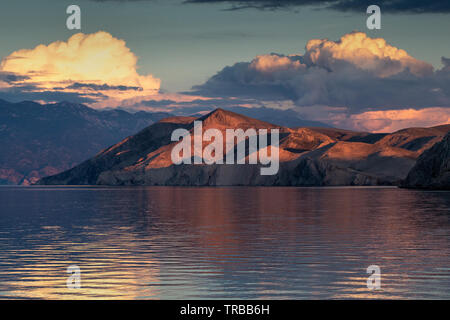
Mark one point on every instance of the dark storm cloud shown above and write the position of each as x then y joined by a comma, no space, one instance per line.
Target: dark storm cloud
394,6
20,92
10,77
343,85
17,95
446,63
232,82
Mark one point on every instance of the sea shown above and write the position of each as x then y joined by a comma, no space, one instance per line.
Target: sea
95,242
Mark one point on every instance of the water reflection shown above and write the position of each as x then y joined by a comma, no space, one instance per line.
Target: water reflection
158,242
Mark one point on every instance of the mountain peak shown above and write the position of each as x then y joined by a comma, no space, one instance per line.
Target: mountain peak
220,113
223,118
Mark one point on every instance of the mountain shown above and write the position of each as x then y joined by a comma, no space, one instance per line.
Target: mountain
415,139
39,140
283,117
308,157
432,170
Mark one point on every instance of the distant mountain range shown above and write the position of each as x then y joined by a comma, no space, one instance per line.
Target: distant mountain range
39,140
286,118
308,157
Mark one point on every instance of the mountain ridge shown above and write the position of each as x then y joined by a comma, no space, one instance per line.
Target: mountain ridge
39,140
308,157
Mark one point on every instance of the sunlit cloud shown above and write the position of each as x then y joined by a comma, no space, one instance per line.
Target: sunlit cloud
393,120
97,66
374,55
377,120
355,71
355,82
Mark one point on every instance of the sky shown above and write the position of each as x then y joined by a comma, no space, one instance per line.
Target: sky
164,55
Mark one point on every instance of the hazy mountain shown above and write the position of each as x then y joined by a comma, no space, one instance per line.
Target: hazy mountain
308,156
38,140
432,170
286,118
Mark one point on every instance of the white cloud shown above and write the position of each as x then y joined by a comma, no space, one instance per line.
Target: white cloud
374,55
85,64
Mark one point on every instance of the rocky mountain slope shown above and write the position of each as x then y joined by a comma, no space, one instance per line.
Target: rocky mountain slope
38,140
432,170
308,157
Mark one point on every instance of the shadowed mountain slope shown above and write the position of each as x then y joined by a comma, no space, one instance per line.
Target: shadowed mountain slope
432,170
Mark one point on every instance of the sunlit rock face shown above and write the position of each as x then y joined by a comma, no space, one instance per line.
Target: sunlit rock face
308,157
432,170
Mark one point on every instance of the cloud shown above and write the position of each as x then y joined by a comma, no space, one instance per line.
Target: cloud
85,65
356,82
373,55
356,72
10,78
446,63
393,120
388,120
392,6
187,105
29,94
388,6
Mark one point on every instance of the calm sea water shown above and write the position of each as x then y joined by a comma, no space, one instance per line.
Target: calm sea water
249,243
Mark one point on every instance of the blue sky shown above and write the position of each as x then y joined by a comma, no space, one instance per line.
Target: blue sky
248,57
185,44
